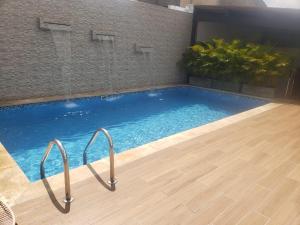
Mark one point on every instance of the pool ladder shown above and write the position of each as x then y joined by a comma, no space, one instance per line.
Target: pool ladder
63,153
112,181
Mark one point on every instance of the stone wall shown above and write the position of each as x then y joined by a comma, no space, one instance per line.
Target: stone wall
29,64
164,3
251,3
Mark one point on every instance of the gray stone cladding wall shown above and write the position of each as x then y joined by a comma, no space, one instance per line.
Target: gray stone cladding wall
241,3
164,3
29,66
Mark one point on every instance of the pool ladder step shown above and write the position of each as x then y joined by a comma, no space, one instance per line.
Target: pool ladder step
112,181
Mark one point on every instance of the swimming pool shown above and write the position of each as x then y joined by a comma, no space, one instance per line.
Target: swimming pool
133,119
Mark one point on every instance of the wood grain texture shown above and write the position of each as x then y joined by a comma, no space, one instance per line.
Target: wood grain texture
246,173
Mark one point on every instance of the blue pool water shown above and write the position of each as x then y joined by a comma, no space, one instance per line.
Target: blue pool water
132,119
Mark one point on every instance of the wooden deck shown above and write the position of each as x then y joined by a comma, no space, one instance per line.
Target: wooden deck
247,173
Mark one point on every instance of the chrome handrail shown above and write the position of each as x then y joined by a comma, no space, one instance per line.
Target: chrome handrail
63,153
112,180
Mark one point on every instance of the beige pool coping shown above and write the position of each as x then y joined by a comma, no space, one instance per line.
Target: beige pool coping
14,183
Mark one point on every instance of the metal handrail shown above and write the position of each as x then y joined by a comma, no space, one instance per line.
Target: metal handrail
112,180
63,153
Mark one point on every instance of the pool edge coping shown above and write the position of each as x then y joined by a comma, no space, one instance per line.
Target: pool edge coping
13,182
80,173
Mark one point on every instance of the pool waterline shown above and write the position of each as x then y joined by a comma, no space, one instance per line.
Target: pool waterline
219,115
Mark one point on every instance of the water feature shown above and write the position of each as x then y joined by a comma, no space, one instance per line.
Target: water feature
62,41
147,57
107,50
61,35
147,53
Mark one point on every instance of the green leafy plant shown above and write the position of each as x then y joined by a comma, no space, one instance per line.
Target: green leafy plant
236,61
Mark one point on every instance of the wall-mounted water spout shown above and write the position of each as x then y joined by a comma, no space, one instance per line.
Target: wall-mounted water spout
49,25
147,53
106,50
143,49
61,36
98,36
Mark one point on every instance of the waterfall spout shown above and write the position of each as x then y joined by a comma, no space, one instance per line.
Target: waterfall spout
61,35
107,47
147,53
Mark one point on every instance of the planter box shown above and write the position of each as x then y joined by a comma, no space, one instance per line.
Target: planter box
264,92
226,86
200,82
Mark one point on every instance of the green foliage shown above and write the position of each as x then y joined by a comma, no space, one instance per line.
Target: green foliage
236,61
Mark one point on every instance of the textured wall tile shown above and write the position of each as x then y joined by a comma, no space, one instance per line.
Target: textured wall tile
29,62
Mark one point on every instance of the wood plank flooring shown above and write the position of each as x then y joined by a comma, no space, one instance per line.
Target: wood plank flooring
247,173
